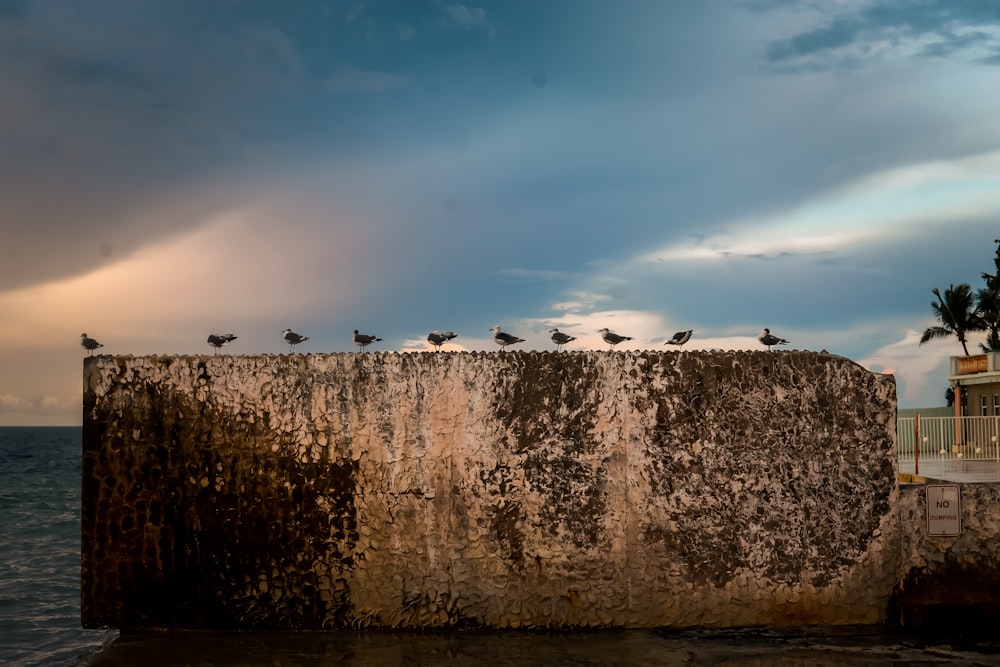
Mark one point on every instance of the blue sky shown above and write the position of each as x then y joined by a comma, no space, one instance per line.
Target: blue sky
173,169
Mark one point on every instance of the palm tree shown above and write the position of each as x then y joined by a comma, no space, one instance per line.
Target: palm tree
957,314
988,308
988,305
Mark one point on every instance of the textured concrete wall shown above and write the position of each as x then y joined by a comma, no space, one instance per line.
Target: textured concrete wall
503,489
948,582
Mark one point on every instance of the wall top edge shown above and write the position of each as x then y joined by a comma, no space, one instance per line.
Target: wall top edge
484,353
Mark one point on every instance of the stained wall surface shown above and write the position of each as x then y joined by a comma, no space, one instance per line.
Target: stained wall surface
488,489
951,580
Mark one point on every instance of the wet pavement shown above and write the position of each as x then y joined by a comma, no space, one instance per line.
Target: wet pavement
962,471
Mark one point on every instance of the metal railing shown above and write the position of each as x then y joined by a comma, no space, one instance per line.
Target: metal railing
948,438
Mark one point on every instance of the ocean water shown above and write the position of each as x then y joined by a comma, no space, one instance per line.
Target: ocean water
40,549
40,614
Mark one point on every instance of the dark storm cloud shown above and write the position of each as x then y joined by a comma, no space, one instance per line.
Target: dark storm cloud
13,8
123,124
116,121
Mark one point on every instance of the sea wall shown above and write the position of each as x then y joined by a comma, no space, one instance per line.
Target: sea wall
506,489
950,582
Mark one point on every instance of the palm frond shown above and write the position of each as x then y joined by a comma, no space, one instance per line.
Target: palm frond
932,333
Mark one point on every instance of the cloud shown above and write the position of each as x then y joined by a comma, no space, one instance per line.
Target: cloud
12,403
580,301
466,18
43,393
921,371
354,12
19,411
647,329
421,345
535,274
112,129
877,206
238,269
929,28
351,79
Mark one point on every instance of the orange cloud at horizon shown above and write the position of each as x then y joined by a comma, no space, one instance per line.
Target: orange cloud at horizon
237,269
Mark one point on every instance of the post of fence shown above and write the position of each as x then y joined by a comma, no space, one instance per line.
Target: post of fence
958,414
916,444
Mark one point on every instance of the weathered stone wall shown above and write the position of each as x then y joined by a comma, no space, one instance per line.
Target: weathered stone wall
503,489
951,582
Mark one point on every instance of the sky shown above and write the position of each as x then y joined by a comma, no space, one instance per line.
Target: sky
175,168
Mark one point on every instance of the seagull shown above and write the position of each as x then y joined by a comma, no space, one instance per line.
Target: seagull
767,339
293,338
363,340
89,343
504,339
680,337
560,338
218,340
612,338
437,339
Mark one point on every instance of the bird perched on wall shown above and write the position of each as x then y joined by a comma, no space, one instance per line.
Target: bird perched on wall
768,339
293,338
680,337
560,338
218,340
437,339
89,344
612,338
364,340
504,339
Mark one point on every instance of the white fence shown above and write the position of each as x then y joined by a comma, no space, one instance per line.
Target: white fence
948,438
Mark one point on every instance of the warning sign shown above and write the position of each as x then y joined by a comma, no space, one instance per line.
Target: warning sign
944,510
